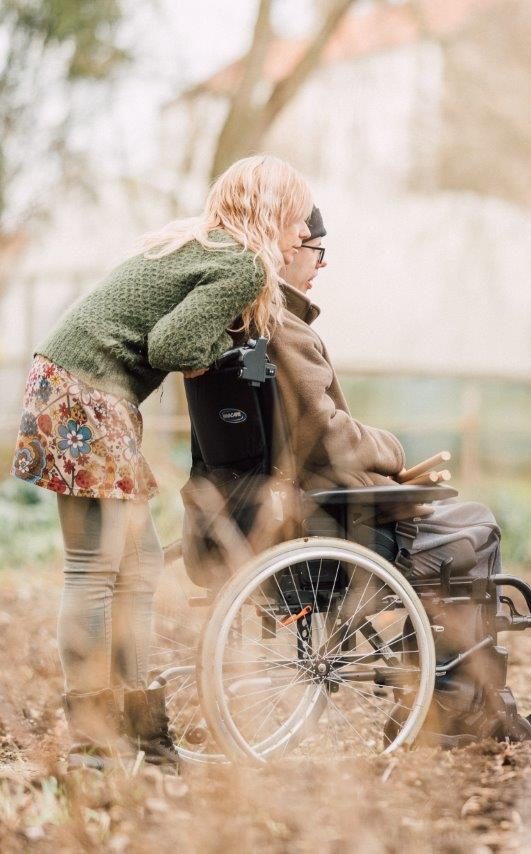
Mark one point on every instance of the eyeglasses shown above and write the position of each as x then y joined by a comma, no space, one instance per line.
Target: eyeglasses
320,249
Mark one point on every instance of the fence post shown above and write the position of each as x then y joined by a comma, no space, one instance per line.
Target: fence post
470,426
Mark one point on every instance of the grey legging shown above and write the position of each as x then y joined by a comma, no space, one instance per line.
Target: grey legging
112,563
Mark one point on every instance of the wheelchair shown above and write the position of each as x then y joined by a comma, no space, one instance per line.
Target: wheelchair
321,645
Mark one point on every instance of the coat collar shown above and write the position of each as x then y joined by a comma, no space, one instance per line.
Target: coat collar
299,304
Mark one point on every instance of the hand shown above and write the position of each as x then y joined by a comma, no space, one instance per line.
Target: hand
191,375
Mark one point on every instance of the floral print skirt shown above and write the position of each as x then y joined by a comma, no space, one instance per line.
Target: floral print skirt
77,440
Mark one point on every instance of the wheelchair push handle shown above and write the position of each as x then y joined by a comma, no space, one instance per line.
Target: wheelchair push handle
514,621
250,360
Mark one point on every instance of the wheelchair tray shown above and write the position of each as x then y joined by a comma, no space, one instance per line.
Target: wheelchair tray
374,496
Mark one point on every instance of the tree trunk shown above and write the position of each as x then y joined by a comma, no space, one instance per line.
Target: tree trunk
249,119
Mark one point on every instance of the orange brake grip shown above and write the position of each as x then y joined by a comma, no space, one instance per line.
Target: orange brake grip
294,617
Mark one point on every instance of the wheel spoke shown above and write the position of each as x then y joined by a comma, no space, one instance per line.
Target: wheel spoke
275,692
271,688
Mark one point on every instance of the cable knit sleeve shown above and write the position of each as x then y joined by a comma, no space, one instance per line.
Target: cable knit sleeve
193,334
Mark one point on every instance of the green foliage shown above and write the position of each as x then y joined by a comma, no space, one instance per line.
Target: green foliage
510,501
29,528
51,45
88,24
29,532
431,413
29,524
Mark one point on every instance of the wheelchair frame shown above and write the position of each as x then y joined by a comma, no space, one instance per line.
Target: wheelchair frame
445,591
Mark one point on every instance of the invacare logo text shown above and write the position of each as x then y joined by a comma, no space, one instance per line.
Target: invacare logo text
232,416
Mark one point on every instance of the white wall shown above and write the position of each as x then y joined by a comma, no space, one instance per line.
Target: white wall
438,283
414,281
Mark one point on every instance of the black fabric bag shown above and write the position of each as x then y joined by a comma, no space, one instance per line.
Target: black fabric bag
232,423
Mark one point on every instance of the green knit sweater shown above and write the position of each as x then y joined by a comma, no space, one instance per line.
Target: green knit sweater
151,317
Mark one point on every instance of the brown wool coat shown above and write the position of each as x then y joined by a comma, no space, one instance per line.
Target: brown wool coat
328,446
318,446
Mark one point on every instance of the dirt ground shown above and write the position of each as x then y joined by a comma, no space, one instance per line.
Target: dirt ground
477,799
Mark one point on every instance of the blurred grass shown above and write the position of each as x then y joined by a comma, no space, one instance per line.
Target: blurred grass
431,413
29,527
490,464
427,414
29,531
510,500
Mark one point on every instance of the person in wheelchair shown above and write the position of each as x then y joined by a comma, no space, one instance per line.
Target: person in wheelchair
321,446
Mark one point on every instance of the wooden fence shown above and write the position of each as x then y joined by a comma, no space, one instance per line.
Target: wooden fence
169,417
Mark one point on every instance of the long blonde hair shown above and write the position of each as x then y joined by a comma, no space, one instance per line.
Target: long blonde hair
252,201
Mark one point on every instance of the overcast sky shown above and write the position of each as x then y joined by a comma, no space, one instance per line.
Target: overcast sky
208,34
176,43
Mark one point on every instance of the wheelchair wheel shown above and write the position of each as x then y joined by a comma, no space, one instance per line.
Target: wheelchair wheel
315,648
188,727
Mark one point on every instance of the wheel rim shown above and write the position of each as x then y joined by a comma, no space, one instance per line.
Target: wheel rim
260,726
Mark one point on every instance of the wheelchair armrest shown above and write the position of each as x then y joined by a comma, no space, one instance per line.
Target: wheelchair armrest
379,496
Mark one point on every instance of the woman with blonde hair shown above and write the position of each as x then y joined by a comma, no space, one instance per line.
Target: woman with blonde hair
165,309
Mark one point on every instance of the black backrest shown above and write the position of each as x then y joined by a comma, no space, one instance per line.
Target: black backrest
231,411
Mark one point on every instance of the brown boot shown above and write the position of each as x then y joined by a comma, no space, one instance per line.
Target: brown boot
146,725
96,728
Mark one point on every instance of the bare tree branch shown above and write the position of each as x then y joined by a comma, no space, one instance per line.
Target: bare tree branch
247,120
255,58
242,100
287,88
